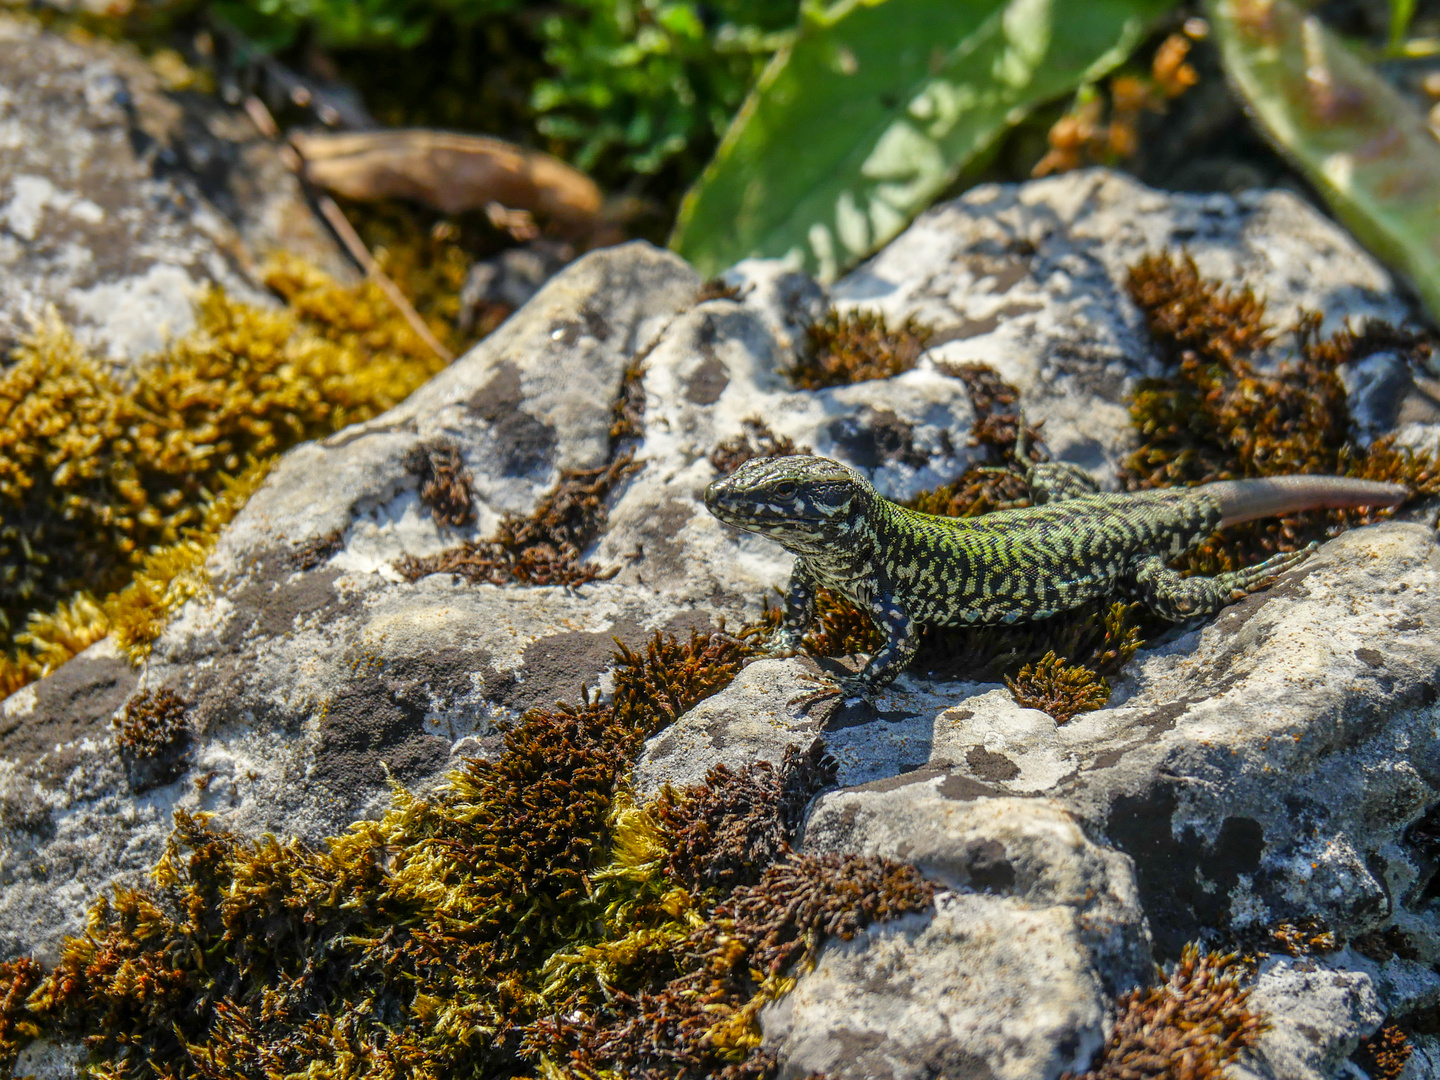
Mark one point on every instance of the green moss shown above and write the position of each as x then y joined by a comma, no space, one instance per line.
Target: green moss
1060,689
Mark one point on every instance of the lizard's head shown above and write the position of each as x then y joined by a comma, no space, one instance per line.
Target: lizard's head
803,502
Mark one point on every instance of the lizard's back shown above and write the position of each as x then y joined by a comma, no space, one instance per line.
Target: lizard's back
1030,563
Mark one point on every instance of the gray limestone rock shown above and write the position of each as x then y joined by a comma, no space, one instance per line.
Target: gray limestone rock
1281,759
119,200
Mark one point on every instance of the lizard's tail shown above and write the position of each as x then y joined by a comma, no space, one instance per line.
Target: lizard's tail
1273,496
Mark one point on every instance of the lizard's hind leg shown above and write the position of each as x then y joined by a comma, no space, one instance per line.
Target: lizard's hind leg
1051,481
1178,598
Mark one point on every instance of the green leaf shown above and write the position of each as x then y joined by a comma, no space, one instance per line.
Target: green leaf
873,110
1401,13
1366,149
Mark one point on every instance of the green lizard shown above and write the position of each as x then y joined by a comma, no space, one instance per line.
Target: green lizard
908,569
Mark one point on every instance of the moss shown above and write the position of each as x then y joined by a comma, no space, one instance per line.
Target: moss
115,491
154,721
317,550
997,484
523,919
18,978
1194,1025
444,482
716,288
729,828
1220,416
755,440
544,548
1303,937
1060,689
855,347
627,414
1384,1055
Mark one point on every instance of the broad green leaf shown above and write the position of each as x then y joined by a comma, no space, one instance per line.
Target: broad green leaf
1365,148
873,110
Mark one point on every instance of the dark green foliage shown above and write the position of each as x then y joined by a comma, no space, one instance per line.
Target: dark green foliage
1060,689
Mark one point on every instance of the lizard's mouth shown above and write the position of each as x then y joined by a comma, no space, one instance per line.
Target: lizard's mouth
744,511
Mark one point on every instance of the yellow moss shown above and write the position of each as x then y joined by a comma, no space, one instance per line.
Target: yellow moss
109,489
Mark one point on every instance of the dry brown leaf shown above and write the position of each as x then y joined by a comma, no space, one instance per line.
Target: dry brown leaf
450,172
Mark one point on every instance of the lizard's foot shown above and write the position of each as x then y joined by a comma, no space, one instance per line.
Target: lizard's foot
783,642
849,688
1250,578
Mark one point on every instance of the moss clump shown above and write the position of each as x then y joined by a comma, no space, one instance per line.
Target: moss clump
627,414
732,826
1194,1025
715,288
756,440
1384,1055
102,480
154,721
544,548
1303,937
444,482
1060,689
998,484
1218,416
18,978
522,919
856,347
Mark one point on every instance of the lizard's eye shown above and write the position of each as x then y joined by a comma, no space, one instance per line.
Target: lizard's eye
786,489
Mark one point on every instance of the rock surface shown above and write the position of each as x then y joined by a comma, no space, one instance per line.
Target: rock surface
120,200
1269,764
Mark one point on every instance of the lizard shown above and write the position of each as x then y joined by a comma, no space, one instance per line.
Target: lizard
907,569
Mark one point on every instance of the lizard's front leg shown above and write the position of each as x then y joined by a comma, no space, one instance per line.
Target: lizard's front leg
799,609
902,639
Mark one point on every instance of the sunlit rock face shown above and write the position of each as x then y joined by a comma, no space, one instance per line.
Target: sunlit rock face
1277,761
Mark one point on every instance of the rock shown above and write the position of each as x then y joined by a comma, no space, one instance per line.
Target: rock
1319,1017
1277,761
120,200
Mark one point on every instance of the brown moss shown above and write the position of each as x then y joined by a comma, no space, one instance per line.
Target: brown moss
1303,937
997,485
672,676
17,979
715,288
704,1021
756,440
544,548
1384,1055
528,901
627,414
317,550
856,347
1193,1026
444,482
154,721
1060,689
731,827
1220,416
